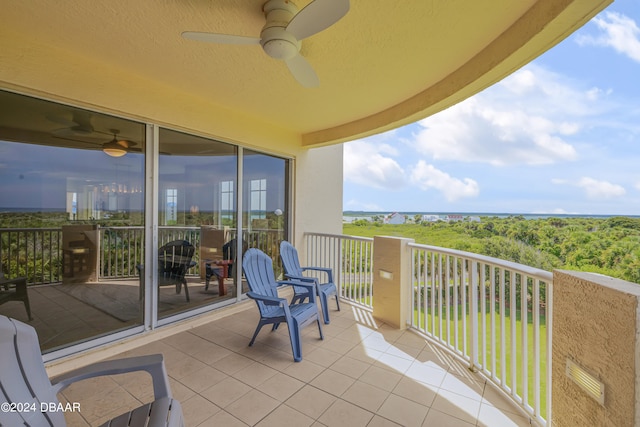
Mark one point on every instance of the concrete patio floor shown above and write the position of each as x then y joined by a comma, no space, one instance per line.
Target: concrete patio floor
363,373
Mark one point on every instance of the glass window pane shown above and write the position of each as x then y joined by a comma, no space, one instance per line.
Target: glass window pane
197,215
265,216
71,218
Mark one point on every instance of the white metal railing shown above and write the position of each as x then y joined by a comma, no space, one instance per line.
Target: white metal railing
495,314
351,259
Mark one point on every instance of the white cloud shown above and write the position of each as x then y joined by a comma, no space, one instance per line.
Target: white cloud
525,119
617,31
427,177
369,164
600,189
593,188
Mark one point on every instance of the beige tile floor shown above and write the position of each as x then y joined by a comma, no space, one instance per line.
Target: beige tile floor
363,373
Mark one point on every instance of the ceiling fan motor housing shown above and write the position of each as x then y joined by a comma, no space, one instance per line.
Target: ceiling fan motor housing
276,41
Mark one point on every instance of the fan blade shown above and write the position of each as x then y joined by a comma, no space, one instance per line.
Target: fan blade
83,119
302,71
81,136
317,16
61,120
219,38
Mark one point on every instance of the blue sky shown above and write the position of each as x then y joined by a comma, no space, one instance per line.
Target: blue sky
561,135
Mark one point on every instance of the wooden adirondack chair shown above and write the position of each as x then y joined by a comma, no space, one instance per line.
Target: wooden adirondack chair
174,259
258,270
293,271
29,398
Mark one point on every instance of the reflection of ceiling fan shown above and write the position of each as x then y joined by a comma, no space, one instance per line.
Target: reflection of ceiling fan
118,147
115,147
285,28
78,126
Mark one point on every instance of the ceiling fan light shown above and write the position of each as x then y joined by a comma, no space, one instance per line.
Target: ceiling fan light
114,149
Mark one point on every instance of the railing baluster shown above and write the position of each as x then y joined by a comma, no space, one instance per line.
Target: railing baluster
524,321
513,315
492,314
536,346
474,314
456,301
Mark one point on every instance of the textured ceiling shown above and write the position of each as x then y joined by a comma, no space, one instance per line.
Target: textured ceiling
384,63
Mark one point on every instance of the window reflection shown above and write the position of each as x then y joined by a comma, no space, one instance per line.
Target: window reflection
265,215
71,219
197,181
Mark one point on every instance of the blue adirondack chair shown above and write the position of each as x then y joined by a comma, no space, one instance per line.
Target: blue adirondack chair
293,271
29,398
258,270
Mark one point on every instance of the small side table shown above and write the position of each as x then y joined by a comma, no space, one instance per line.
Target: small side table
221,273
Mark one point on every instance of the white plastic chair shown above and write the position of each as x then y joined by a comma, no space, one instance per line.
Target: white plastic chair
29,398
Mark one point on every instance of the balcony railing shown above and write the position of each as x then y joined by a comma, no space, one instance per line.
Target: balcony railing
36,253
32,253
494,314
351,259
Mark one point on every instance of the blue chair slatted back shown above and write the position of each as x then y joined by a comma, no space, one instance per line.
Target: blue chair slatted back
258,270
290,260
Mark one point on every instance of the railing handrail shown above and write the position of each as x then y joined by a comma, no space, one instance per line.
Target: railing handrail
339,236
533,272
2,230
124,227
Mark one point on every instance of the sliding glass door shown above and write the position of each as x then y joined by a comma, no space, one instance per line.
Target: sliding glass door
73,258
197,216
71,219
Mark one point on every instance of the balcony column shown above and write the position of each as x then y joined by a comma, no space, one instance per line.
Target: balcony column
392,280
596,327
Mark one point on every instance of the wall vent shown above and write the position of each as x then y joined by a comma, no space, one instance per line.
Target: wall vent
586,381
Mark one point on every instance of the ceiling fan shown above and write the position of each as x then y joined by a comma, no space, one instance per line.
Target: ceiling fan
118,147
285,28
115,147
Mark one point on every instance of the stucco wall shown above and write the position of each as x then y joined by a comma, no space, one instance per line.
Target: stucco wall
318,192
595,322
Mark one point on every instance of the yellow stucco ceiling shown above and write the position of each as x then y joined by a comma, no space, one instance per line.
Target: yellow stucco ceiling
386,63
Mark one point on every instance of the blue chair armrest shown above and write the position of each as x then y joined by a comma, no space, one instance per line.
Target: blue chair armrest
327,270
311,287
267,299
302,278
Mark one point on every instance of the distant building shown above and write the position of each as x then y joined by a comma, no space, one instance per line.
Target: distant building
454,217
395,218
430,218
